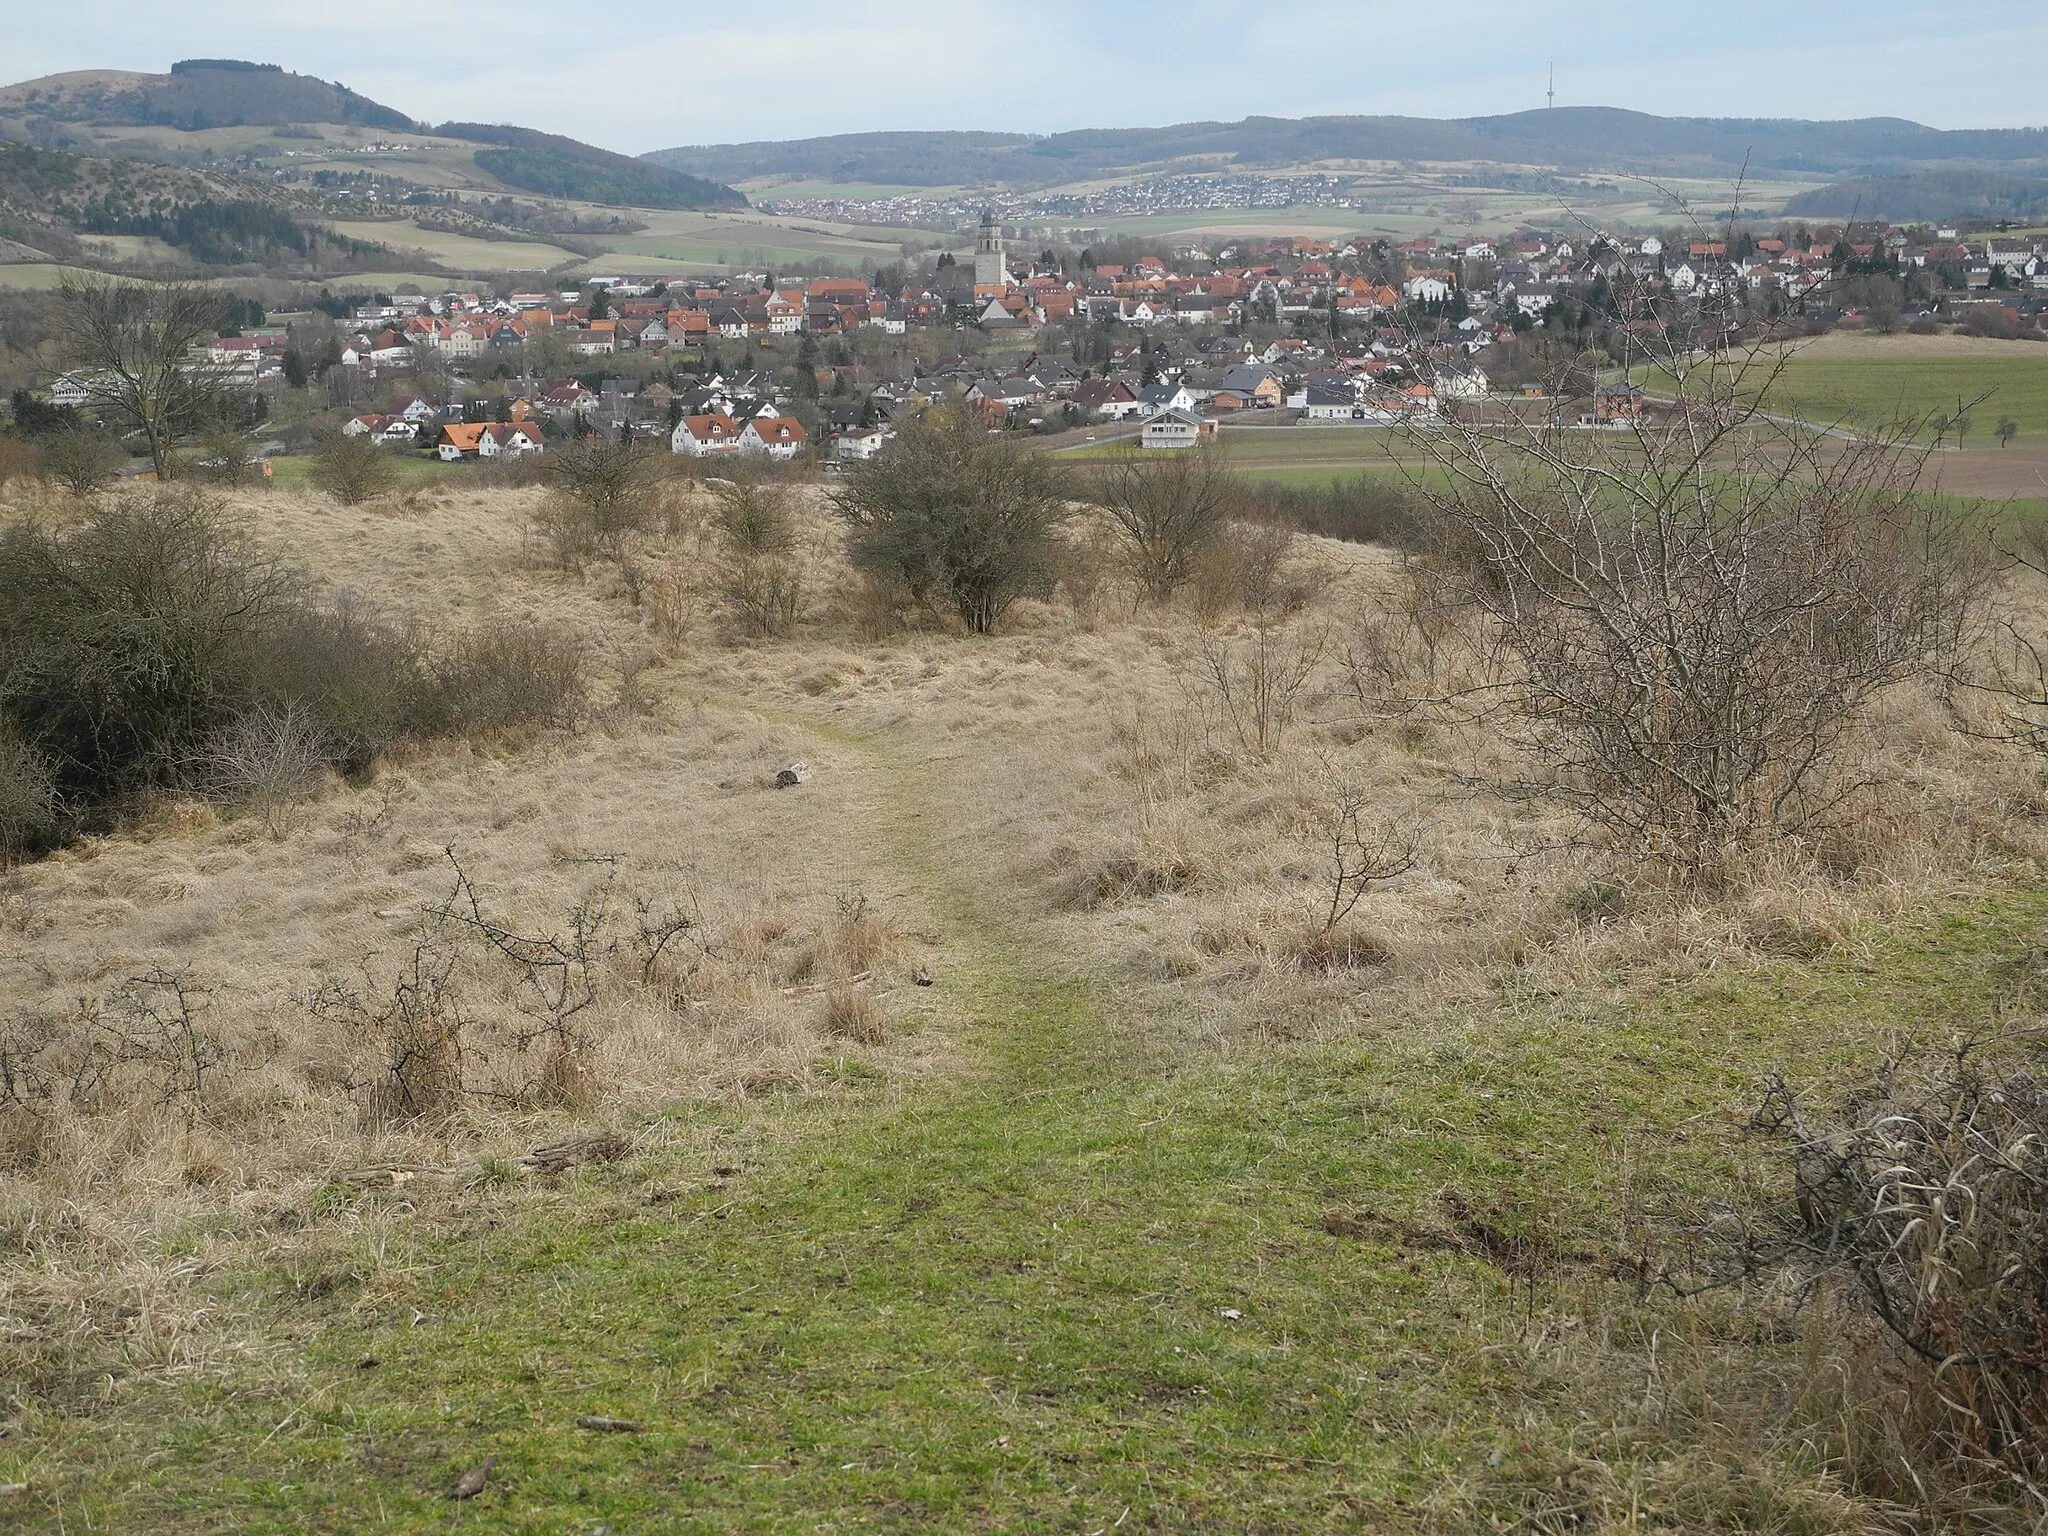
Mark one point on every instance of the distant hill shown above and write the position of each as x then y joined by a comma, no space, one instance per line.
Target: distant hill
557,167
52,204
197,94
1575,138
1927,197
146,117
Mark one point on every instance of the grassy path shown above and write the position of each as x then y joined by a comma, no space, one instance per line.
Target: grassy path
1078,1289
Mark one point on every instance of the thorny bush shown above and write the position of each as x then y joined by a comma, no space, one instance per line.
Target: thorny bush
1920,1205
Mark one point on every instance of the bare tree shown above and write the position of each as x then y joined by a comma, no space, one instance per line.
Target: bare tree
1169,509
135,346
1686,605
82,461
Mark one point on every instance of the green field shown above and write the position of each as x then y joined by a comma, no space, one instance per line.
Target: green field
461,253
1866,382
33,274
1870,391
708,241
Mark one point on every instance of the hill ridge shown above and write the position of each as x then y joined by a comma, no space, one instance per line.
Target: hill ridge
1614,138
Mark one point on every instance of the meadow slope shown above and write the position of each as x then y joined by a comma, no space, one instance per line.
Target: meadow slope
1005,1157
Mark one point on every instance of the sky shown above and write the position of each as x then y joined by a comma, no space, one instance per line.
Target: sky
636,76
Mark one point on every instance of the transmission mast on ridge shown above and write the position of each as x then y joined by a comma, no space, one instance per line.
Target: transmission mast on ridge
1553,83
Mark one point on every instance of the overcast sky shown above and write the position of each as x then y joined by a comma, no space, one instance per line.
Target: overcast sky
636,76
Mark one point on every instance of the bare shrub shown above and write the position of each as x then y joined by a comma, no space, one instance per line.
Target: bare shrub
512,471
1687,618
127,641
1407,647
1169,510
1089,575
82,461
1253,685
156,645
1245,569
412,1034
671,605
29,812
264,762
365,682
511,674
1921,1207
761,573
604,494
352,469
21,462
961,520
148,1042
159,1022
223,455
556,975
1359,850
480,1012
1367,508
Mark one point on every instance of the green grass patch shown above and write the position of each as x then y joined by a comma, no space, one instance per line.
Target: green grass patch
1869,392
1086,1286
1873,391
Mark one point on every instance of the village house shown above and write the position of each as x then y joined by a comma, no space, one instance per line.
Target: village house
773,436
485,440
714,435
1176,429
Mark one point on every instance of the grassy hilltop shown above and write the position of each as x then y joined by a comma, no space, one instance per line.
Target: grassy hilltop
983,1132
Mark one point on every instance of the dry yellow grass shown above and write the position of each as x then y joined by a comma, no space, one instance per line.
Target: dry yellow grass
1088,771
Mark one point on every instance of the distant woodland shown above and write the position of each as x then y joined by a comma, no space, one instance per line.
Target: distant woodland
1568,137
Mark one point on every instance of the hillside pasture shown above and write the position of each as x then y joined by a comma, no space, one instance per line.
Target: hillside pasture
459,253
1001,1146
726,241
1867,381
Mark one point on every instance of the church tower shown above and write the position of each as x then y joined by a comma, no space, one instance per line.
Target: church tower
990,271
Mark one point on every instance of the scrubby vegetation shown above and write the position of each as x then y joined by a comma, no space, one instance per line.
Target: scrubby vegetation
557,167
970,999
49,198
156,647
957,519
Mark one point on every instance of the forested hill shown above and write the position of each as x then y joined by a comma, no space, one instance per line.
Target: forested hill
53,203
1604,138
197,94
161,118
1927,196
557,167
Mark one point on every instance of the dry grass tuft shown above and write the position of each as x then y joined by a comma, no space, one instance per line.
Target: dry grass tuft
1344,948
851,1012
